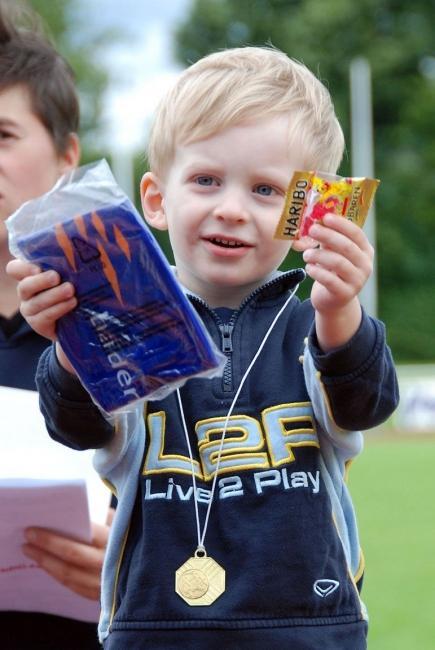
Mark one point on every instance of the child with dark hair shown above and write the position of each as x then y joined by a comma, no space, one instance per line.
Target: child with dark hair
39,118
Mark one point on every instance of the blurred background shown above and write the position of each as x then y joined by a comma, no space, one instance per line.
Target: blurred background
377,57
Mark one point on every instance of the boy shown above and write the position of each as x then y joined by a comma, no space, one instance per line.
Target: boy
39,117
265,447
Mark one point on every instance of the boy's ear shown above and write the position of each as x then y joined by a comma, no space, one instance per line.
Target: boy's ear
152,201
70,158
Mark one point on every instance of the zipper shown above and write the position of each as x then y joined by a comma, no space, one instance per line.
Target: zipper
226,330
226,341
226,337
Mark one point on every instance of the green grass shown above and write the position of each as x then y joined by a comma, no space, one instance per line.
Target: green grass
393,488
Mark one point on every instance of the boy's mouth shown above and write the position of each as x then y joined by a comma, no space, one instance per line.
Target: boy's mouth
226,243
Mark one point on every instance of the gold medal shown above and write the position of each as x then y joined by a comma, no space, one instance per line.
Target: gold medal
200,580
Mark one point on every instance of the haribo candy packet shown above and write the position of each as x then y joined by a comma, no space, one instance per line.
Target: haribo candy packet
311,195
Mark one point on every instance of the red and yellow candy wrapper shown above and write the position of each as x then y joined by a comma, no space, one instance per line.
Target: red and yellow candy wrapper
311,195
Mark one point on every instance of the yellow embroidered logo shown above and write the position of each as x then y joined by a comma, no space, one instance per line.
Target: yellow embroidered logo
249,444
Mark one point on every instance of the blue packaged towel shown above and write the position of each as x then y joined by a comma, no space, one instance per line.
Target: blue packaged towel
133,334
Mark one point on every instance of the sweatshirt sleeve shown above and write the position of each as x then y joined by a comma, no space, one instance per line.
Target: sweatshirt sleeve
71,417
358,380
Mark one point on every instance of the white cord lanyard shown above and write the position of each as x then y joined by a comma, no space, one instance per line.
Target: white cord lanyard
200,555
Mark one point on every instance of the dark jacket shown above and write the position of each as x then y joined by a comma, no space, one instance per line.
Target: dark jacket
20,349
282,522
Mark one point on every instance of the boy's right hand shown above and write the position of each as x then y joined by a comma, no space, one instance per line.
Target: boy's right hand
43,297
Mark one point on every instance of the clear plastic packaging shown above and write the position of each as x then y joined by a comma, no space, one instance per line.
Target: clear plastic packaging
134,334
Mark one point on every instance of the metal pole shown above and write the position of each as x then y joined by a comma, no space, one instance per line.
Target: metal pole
362,157
122,167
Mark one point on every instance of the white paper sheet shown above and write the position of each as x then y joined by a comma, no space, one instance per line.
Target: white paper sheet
52,486
59,505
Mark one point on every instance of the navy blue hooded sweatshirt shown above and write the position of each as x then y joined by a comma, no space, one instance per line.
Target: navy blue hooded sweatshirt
281,523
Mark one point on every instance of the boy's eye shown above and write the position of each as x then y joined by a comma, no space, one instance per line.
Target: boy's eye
264,190
207,181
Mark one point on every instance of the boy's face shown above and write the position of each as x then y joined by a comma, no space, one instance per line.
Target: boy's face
29,162
221,201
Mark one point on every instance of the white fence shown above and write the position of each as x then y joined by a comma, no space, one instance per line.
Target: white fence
416,411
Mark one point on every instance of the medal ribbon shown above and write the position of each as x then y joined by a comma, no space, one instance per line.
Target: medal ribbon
201,536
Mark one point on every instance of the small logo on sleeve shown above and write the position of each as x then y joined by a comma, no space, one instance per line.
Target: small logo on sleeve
325,587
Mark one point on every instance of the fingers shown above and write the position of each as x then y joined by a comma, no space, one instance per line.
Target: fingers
19,269
35,283
328,267
43,298
340,291
344,251
336,230
74,564
100,532
73,552
340,266
78,580
43,293
300,245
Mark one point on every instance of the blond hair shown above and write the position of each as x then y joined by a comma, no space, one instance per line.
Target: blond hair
240,85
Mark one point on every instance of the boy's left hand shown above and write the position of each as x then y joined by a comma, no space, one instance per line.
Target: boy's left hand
340,266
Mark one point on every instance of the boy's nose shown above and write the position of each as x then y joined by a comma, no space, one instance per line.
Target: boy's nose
231,208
